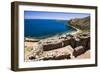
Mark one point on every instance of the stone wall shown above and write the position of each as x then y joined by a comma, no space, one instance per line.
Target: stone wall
52,50
52,46
74,41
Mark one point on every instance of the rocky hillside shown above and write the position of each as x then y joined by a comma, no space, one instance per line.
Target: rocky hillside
81,23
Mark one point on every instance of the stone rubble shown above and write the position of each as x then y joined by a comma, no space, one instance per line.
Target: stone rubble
50,49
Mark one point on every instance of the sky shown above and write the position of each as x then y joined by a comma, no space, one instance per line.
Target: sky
53,15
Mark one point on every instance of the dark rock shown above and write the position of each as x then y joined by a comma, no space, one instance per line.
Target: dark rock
78,51
58,57
84,41
73,43
31,58
62,57
88,44
52,46
77,42
66,42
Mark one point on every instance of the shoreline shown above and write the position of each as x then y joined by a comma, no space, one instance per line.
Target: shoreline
30,39
32,46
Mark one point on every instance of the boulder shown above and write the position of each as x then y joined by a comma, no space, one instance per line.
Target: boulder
78,51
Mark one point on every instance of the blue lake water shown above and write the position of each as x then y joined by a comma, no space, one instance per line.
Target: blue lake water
42,27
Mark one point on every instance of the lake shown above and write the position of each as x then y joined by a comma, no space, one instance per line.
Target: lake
39,28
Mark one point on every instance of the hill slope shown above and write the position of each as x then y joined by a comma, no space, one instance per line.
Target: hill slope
82,23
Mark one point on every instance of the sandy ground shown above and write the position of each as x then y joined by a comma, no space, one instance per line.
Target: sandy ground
30,44
28,51
86,55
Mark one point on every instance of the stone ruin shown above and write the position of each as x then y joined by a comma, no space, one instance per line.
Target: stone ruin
74,41
79,43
